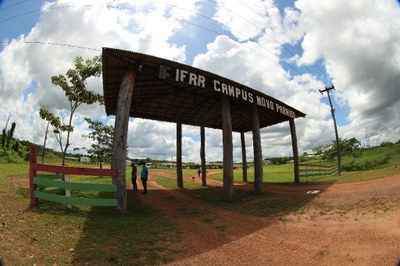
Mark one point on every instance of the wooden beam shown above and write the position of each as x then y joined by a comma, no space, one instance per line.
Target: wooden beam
179,173
228,147
258,165
244,160
295,151
203,156
32,174
120,136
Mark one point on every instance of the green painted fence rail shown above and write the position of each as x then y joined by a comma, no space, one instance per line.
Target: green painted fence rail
56,186
75,200
316,171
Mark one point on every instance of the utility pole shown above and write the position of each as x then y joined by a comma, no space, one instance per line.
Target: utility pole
339,165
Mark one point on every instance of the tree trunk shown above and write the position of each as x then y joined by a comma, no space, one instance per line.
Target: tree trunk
228,148
121,135
244,160
179,173
203,157
295,151
258,165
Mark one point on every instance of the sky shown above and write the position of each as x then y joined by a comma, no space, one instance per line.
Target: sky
284,48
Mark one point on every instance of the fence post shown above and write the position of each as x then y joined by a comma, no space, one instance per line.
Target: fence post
32,174
67,191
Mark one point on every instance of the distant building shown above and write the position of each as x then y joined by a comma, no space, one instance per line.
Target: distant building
84,159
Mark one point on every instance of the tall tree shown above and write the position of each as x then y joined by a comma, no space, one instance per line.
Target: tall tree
74,85
102,136
7,136
10,134
55,122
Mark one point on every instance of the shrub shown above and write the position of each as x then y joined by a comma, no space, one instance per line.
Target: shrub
10,156
365,163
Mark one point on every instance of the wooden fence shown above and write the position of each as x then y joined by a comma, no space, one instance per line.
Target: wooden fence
316,171
57,187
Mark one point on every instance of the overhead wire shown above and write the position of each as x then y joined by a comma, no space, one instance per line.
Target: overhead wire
144,11
359,41
280,9
15,4
54,44
227,27
263,30
327,32
189,23
278,28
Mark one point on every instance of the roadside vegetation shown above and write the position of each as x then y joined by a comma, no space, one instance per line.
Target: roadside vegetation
52,234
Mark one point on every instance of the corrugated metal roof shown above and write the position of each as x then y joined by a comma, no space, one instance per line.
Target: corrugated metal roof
169,91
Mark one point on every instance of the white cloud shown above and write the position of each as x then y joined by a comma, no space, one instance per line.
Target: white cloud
87,24
356,41
359,41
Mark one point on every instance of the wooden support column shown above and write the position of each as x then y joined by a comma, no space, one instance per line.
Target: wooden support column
179,174
203,156
32,174
244,160
258,164
228,147
121,135
295,151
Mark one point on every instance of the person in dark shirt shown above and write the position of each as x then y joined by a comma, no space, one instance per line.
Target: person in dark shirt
134,176
144,175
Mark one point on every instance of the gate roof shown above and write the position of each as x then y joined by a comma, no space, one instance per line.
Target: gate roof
169,91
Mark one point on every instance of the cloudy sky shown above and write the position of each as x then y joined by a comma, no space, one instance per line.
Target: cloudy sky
287,49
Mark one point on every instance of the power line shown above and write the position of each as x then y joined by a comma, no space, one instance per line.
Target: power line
359,41
12,5
54,44
211,30
144,11
262,30
277,27
170,17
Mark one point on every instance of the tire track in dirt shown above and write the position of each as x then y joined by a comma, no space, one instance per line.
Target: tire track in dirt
204,227
360,236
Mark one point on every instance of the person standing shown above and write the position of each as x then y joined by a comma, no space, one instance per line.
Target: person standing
199,172
144,173
134,176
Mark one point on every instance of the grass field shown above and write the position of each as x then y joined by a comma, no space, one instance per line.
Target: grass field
284,174
52,234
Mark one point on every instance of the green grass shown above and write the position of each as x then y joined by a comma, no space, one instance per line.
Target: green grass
373,158
172,183
51,234
284,174
272,174
358,176
13,169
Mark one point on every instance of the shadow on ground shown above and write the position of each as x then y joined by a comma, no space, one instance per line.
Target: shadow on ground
168,225
204,220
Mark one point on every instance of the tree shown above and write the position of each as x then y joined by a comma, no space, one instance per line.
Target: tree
350,146
55,122
74,85
102,137
8,136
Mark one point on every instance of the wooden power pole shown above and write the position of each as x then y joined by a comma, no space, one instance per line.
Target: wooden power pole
339,165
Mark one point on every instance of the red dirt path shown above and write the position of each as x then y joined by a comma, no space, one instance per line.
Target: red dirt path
357,224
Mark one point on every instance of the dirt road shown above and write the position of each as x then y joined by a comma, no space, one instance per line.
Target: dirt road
343,224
